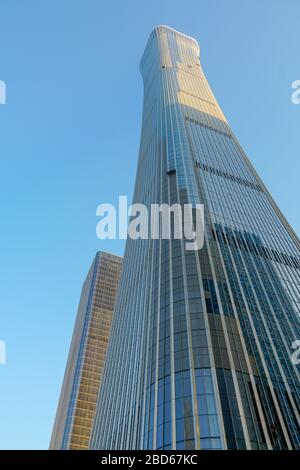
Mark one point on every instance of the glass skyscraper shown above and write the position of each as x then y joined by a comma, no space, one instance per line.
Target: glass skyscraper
77,403
201,341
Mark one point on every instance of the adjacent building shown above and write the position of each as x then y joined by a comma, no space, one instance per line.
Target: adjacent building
201,342
82,380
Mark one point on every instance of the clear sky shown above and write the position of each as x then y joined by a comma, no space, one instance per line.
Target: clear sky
69,138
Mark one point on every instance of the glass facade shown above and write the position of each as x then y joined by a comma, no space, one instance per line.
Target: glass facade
201,342
77,404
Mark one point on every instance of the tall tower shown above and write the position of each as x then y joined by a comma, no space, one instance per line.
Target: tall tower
77,403
201,345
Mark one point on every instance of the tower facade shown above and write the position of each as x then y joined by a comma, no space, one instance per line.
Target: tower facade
201,342
77,403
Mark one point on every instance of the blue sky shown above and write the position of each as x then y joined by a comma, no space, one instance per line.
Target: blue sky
69,137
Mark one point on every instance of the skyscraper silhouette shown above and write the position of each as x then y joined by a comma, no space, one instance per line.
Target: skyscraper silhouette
201,342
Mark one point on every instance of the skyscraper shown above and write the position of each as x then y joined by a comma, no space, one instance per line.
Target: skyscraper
77,403
201,342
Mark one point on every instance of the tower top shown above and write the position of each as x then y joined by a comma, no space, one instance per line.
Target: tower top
164,28
168,39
